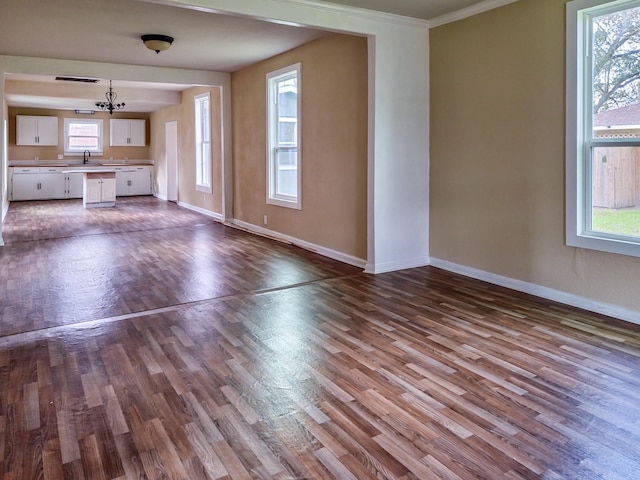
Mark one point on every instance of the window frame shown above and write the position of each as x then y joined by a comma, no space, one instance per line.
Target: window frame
273,198
89,121
579,138
204,165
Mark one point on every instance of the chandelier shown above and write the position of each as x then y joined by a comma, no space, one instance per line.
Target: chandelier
110,104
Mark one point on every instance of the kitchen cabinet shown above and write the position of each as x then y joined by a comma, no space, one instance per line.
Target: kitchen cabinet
134,180
127,132
36,130
99,189
75,185
38,183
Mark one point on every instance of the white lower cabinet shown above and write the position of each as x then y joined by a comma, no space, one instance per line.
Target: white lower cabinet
75,185
38,183
42,183
133,181
99,190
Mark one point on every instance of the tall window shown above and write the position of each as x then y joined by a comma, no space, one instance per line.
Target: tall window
283,156
203,143
603,125
82,134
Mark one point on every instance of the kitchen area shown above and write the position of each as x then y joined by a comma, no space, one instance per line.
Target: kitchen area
64,154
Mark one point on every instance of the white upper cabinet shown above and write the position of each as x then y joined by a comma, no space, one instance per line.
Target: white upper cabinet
127,132
36,130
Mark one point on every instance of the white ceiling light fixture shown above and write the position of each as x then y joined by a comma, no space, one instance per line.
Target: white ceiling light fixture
157,43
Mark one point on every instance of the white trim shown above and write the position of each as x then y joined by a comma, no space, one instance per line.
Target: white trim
5,210
88,121
273,198
325,252
160,196
631,316
578,232
204,179
395,266
468,12
208,213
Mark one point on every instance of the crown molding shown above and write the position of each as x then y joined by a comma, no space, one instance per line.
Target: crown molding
361,12
468,12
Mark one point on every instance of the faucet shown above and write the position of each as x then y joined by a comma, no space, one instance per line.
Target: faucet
84,156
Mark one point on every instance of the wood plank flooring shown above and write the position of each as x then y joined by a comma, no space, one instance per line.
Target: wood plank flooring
216,354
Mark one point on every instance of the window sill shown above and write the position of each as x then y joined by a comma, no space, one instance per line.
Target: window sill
296,205
608,245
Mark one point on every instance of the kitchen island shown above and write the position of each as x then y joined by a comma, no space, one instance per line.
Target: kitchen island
98,187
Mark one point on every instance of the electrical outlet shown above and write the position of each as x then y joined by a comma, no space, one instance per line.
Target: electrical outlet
37,158
265,220
60,156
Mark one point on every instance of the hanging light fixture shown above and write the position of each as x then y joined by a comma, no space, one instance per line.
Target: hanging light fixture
110,104
157,43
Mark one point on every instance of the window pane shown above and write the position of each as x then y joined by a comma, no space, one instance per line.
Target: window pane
287,133
83,143
616,190
287,172
83,129
616,74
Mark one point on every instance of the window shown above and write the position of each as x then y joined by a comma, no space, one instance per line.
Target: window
82,134
203,143
603,125
283,156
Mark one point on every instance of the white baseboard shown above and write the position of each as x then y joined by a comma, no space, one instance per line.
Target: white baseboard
395,266
161,196
208,213
326,252
631,316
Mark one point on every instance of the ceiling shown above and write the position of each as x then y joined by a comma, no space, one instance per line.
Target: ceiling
109,32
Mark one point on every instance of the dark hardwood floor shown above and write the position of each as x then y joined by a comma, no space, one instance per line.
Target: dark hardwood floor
147,341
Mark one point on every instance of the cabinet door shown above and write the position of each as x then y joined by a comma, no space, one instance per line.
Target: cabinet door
47,130
119,132
108,190
25,186
140,181
52,185
26,130
92,191
74,185
123,182
137,133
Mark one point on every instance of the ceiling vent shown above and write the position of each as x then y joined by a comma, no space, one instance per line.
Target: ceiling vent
78,79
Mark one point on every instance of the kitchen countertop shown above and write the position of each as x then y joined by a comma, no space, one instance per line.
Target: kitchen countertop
80,165
90,170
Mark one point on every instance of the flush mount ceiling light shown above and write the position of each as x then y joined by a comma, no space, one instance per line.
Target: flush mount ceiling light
157,43
110,104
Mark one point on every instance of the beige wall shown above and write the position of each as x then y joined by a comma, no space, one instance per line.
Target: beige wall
51,153
184,114
334,145
497,155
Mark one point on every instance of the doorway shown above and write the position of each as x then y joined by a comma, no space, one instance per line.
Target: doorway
171,152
